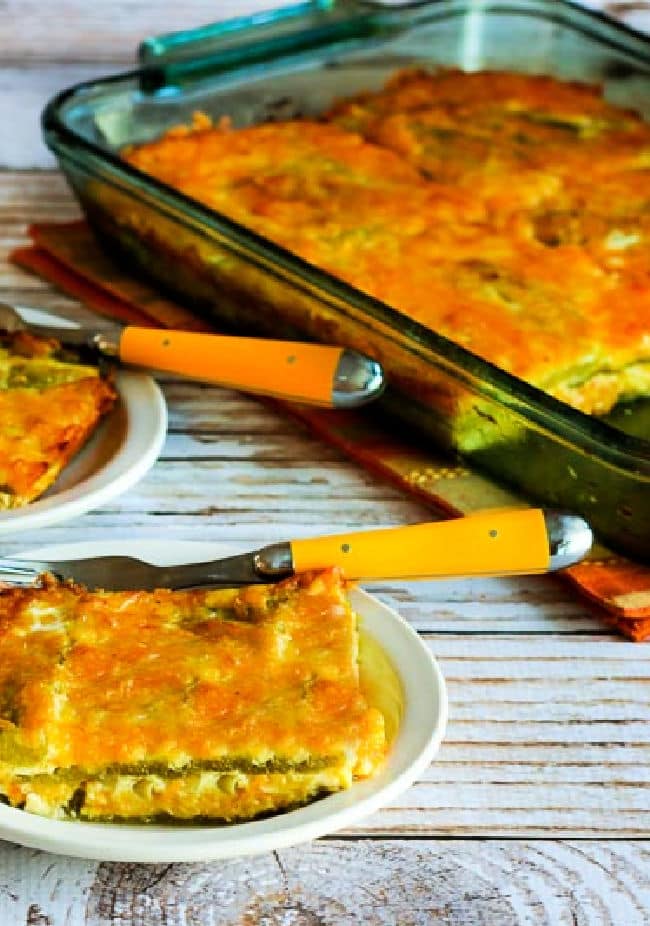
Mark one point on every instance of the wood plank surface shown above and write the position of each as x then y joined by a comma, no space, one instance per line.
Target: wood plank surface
78,31
375,882
549,735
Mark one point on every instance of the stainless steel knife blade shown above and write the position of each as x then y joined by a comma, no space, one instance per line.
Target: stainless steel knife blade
125,573
100,339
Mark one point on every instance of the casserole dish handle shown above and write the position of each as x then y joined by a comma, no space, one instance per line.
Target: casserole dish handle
268,29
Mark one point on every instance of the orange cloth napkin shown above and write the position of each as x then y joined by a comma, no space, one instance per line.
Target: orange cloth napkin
68,255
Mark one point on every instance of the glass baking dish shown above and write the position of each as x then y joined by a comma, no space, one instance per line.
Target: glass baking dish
297,61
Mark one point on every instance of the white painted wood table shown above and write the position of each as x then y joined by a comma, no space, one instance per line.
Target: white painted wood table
536,808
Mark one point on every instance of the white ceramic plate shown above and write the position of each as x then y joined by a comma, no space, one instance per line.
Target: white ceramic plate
422,725
124,446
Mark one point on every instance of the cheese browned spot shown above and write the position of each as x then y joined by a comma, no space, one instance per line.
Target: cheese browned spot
221,704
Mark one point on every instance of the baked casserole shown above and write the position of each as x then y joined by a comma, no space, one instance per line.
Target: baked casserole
50,404
509,213
217,705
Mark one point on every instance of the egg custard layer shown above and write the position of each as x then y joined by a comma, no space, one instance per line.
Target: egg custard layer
508,212
217,705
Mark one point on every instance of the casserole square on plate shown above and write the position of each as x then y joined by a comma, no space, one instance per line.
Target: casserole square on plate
216,705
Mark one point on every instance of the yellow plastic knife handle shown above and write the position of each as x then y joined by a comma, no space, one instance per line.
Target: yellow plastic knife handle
490,543
286,369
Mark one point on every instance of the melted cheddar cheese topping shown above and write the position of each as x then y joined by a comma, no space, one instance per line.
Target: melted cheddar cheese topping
218,704
507,212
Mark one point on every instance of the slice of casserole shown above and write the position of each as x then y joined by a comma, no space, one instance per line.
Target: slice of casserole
197,705
49,407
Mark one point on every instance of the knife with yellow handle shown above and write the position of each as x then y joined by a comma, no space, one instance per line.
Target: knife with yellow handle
314,374
493,543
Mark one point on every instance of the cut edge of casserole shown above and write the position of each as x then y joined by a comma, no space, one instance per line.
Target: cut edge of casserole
50,404
205,706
